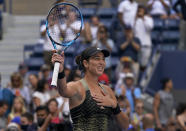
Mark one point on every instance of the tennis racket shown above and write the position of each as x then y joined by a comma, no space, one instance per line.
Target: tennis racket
64,24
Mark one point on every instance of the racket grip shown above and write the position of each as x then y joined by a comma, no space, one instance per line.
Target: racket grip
55,74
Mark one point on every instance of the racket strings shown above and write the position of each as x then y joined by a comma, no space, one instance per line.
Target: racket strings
64,23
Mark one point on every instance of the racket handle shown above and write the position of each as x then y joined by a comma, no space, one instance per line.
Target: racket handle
55,74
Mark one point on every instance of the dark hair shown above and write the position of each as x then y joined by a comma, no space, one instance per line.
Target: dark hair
87,53
79,62
2,103
142,6
39,108
121,97
29,116
104,27
52,100
72,75
164,81
96,16
41,85
181,108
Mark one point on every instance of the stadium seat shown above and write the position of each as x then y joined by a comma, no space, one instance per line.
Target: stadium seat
34,63
171,24
106,22
108,13
158,23
38,51
115,61
87,12
28,50
115,29
170,36
42,22
95,3
69,52
155,36
119,36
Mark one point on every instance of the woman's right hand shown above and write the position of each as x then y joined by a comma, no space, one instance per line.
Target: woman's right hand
58,58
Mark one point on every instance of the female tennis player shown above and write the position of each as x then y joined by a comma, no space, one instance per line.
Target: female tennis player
92,104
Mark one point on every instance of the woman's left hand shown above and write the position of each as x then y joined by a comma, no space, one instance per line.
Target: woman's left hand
105,100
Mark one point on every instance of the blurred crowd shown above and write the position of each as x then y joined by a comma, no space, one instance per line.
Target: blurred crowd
29,103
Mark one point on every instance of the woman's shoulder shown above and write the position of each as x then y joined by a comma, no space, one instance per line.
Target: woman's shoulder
75,84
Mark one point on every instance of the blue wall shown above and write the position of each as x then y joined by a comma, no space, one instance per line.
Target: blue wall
171,64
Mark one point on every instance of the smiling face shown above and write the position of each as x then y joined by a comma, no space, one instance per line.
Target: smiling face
95,64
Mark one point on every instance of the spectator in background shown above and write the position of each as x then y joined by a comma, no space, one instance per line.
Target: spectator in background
142,30
181,115
74,75
3,118
18,89
130,46
18,109
63,107
67,70
33,80
138,115
13,127
53,110
45,73
163,104
90,30
127,12
56,122
104,79
43,119
123,67
23,70
182,3
26,120
159,8
172,125
6,95
131,92
148,122
104,42
124,104
47,45
71,27
41,94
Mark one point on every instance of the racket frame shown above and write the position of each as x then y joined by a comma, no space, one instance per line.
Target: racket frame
63,45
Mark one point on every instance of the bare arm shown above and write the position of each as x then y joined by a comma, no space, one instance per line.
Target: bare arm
46,123
149,6
156,104
128,108
124,45
135,45
122,118
165,4
87,32
64,89
181,123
